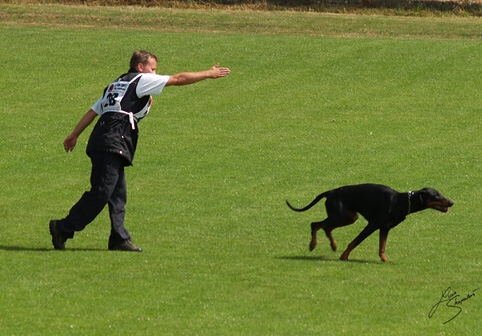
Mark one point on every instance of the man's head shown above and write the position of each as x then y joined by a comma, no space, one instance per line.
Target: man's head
143,61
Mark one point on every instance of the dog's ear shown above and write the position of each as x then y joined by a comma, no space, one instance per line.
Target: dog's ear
428,193
423,193
420,195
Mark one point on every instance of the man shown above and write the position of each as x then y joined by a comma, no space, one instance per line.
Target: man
112,146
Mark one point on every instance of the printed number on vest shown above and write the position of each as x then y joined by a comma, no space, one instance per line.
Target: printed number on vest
111,99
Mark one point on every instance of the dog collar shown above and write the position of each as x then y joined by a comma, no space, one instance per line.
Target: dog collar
410,194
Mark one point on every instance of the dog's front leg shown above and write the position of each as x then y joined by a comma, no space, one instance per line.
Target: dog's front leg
383,243
368,230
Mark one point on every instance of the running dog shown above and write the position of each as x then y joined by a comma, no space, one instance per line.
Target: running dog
383,208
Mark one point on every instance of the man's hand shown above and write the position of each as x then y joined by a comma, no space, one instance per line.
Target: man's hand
217,72
70,142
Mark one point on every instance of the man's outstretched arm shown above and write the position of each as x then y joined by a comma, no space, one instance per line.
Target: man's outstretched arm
185,78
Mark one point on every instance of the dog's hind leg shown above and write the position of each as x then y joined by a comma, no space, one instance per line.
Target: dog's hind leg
330,238
328,225
350,219
325,225
315,226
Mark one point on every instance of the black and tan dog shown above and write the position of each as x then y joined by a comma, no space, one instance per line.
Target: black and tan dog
383,208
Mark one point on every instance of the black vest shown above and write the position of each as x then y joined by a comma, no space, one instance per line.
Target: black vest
117,132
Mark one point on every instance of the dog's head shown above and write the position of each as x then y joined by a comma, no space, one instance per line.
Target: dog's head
433,199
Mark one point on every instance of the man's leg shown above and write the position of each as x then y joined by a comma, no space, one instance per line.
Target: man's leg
117,212
119,238
104,179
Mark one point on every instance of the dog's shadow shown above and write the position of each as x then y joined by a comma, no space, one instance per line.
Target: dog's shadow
326,259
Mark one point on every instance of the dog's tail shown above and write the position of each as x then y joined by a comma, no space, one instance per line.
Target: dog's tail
316,200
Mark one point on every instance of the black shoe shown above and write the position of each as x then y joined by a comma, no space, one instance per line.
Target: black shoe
126,245
58,240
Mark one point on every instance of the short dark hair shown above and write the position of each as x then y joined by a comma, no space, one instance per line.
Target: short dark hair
141,56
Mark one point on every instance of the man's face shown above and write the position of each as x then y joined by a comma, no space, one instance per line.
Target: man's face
150,67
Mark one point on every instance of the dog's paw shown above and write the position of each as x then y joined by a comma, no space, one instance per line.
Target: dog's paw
383,257
344,256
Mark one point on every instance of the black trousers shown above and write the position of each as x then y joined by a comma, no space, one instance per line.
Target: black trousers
108,187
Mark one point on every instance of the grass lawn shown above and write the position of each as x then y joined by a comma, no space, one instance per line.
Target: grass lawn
303,111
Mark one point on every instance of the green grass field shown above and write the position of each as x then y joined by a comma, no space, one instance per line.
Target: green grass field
393,101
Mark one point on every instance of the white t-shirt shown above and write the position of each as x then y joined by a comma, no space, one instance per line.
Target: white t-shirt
118,98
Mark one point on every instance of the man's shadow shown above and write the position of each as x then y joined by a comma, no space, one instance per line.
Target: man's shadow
44,249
